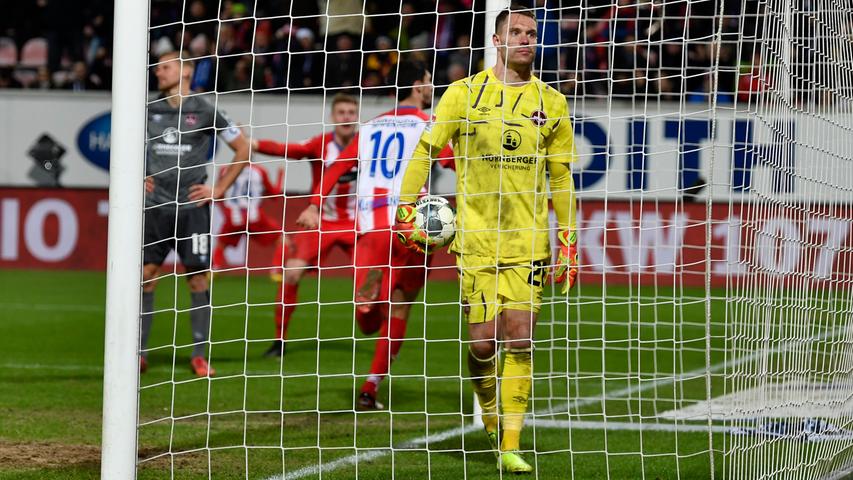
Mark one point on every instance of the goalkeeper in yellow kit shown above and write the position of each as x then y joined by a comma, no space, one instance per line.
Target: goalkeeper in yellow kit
508,128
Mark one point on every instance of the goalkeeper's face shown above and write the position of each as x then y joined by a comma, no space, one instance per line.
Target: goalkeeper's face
515,40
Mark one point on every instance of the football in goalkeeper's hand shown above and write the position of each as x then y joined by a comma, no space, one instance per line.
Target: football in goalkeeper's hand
437,219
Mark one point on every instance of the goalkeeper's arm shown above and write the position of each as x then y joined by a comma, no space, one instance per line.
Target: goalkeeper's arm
565,208
414,178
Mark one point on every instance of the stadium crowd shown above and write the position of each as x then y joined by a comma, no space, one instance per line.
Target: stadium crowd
607,48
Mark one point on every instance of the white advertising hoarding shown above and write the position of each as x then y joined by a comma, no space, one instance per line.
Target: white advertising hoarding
659,150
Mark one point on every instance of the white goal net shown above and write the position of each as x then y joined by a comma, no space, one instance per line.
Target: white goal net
708,335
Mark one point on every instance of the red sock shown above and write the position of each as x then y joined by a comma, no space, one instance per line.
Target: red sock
285,305
387,347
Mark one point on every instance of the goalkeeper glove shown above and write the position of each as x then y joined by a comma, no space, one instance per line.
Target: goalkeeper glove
566,271
407,232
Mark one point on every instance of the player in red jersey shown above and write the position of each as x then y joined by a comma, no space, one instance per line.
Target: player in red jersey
388,275
242,214
337,225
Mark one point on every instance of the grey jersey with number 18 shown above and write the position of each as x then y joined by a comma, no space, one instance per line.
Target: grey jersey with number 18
180,146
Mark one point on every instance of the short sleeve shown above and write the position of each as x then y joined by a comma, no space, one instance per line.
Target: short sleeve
225,126
447,118
561,142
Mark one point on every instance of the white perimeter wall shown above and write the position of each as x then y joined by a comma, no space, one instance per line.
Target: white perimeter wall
816,166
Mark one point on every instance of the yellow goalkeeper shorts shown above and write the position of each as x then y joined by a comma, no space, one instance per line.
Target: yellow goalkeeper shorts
488,287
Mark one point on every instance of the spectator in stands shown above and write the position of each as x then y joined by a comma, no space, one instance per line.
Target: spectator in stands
79,80
202,80
347,64
264,57
43,80
199,22
456,72
383,59
307,63
569,84
344,19
7,80
547,23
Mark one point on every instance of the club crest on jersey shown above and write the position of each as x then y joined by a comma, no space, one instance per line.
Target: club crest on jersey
538,118
190,119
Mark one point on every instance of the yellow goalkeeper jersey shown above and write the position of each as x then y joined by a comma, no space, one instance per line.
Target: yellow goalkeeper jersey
503,136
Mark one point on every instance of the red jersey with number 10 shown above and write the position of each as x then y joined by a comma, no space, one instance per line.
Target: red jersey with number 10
383,148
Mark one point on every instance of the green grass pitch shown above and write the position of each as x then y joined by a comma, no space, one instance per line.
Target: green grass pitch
260,417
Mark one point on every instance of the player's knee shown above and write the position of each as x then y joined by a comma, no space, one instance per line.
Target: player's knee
198,282
149,272
483,348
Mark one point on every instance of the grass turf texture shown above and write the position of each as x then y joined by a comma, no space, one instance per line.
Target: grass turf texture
51,335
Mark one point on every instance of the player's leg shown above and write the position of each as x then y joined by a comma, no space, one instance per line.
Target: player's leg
157,243
286,299
300,254
479,307
372,259
194,251
200,322
391,335
520,294
516,329
407,277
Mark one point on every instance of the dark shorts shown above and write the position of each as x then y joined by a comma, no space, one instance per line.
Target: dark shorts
185,230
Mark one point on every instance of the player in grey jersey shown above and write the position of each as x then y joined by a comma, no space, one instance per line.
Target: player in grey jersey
181,131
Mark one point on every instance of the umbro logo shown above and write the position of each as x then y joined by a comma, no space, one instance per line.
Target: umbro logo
484,109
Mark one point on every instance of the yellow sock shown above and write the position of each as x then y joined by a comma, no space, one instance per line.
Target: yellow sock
485,386
515,390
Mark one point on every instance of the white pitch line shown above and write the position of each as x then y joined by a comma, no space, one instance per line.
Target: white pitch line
620,394
629,426
42,366
374,453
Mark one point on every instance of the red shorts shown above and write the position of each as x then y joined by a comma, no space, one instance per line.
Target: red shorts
263,230
381,250
309,246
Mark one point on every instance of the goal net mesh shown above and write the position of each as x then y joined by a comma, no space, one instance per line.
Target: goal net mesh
709,332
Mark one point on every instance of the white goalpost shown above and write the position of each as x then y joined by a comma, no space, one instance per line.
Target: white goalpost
124,263
709,334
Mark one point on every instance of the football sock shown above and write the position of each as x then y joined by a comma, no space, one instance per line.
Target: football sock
515,389
285,305
147,318
277,261
485,382
388,345
200,321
